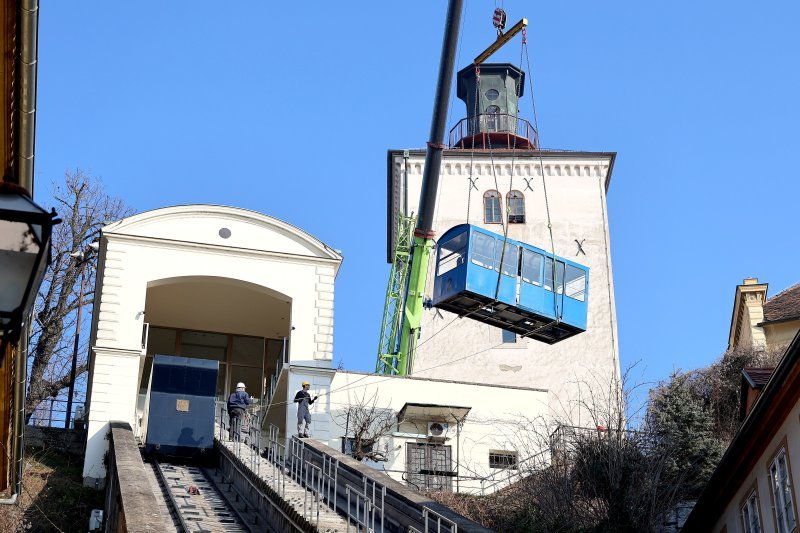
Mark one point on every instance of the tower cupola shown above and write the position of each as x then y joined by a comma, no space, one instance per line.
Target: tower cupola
491,93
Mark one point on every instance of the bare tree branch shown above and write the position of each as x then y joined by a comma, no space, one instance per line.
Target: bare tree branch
83,206
365,424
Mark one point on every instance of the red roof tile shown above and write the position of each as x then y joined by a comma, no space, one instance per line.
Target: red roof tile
785,304
758,377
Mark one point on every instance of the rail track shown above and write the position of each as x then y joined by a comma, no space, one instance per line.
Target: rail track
200,500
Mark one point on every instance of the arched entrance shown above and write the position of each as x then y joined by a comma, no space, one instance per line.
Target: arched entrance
243,326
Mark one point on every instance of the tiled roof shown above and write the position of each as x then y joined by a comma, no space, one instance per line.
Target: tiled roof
785,304
758,377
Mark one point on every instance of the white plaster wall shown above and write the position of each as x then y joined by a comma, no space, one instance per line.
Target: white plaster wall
760,473
320,381
781,334
164,245
466,349
500,418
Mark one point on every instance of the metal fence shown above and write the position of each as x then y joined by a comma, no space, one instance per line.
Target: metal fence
329,487
52,413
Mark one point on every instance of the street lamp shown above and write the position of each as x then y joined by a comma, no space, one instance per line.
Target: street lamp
25,230
81,258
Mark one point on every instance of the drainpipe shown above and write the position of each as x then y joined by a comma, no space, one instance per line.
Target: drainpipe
28,43
25,132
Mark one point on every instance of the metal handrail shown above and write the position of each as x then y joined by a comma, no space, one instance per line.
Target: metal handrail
492,123
440,520
377,499
361,500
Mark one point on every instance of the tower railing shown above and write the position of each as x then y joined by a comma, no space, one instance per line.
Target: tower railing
493,130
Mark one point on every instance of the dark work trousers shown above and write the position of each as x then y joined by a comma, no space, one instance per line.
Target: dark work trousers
235,416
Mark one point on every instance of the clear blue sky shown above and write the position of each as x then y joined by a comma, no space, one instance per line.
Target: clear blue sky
288,109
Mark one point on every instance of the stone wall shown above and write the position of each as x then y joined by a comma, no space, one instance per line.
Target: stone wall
72,441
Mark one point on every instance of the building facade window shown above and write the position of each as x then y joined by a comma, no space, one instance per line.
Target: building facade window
502,459
751,519
509,337
492,213
782,497
349,445
429,467
516,207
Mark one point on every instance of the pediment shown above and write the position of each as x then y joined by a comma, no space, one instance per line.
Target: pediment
222,226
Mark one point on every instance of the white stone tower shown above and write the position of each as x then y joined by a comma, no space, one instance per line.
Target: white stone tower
494,155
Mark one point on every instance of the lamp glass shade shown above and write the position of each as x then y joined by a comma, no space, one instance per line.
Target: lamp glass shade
24,255
19,247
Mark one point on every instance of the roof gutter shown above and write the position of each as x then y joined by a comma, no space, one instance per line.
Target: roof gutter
778,321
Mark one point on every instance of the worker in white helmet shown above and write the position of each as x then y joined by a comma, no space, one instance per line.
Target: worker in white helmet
237,406
303,399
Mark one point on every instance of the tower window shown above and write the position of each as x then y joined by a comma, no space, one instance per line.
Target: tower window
492,213
516,207
492,94
493,109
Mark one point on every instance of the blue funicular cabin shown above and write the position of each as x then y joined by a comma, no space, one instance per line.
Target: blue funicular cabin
520,296
181,406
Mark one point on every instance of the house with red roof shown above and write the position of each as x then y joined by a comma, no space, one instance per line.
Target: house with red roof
753,488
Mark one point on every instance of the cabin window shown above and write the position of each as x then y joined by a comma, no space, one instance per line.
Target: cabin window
782,493
548,275
180,379
576,283
532,267
452,252
516,207
483,250
751,521
502,459
510,259
509,337
491,208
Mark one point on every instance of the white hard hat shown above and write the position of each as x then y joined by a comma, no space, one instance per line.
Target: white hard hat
240,385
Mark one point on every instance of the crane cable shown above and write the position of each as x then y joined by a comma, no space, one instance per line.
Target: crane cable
506,219
556,310
472,148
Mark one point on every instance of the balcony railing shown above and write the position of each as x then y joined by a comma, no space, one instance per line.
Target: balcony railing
494,130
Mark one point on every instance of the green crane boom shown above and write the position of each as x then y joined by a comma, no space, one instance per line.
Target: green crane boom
401,361
392,324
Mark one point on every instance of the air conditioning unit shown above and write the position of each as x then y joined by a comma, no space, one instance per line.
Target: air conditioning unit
438,430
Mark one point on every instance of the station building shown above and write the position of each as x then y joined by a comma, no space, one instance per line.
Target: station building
256,294
245,289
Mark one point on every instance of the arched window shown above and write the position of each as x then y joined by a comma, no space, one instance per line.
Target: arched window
516,207
491,208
